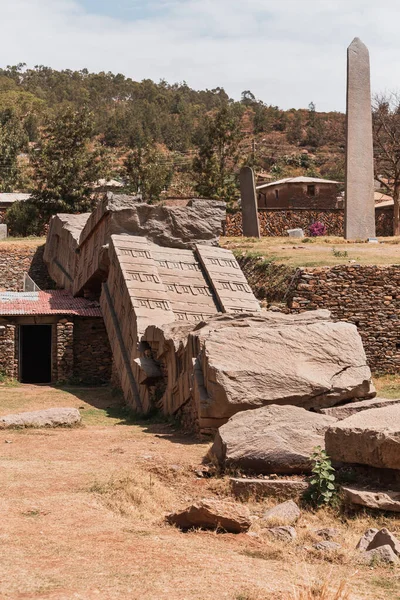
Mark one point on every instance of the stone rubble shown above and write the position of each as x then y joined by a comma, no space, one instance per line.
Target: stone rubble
212,514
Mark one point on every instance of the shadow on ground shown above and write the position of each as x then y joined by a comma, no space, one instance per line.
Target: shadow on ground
111,403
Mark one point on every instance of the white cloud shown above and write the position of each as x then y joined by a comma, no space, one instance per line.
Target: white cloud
288,52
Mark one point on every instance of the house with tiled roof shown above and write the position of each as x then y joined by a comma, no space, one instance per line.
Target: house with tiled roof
52,337
299,192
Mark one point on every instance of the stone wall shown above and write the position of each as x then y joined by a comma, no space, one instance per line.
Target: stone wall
19,258
64,349
368,296
92,351
275,222
8,359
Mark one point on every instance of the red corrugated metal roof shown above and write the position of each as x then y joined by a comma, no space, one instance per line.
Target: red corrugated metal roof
55,302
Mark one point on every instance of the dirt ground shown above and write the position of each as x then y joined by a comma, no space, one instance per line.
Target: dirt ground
82,517
321,251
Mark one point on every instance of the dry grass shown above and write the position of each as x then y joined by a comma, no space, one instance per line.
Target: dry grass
85,518
30,241
137,494
318,251
387,386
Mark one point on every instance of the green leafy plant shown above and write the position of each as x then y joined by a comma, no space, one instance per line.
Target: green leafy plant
339,253
322,485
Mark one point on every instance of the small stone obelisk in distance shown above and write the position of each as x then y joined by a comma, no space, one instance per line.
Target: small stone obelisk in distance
250,224
359,195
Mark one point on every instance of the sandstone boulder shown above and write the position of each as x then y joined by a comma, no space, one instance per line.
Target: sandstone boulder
51,417
371,437
365,539
383,554
377,498
212,514
286,513
283,533
347,410
271,439
327,546
385,538
327,533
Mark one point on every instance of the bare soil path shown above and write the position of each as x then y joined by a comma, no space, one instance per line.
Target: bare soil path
82,516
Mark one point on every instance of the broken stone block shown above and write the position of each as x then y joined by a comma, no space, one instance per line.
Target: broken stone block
51,417
347,410
281,488
372,498
212,514
62,242
286,513
271,439
371,437
235,362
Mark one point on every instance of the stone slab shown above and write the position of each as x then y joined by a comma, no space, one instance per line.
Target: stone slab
377,499
227,280
51,417
371,437
281,488
3,231
250,222
352,408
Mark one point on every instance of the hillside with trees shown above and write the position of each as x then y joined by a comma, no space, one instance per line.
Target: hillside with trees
158,138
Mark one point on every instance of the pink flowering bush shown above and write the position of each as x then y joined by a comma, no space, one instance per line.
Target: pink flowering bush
317,229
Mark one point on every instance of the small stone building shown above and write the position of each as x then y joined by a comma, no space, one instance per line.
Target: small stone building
299,192
50,337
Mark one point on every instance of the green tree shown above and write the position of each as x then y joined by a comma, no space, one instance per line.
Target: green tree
315,130
386,130
13,140
66,164
148,172
216,164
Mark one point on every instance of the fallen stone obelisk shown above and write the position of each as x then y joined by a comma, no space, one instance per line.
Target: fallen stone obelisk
359,195
250,224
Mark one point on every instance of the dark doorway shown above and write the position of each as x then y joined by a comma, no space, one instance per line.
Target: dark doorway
35,353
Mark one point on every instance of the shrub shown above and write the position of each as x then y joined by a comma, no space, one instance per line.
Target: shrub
317,229
322,485
23,219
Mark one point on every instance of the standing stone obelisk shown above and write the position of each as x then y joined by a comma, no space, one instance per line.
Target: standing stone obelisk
359,195
250,224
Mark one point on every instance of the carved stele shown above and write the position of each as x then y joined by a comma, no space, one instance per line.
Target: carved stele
251,226
360,208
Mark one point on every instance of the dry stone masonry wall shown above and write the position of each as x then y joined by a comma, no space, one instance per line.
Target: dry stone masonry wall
8,361
17,259
275,223
92,352
367,296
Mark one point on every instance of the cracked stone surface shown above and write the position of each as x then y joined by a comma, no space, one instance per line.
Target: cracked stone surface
371,437
271,439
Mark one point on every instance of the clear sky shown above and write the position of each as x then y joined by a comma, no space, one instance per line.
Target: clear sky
287,52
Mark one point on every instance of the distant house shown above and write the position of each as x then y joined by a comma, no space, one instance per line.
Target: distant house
106,185
8,199
299,192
